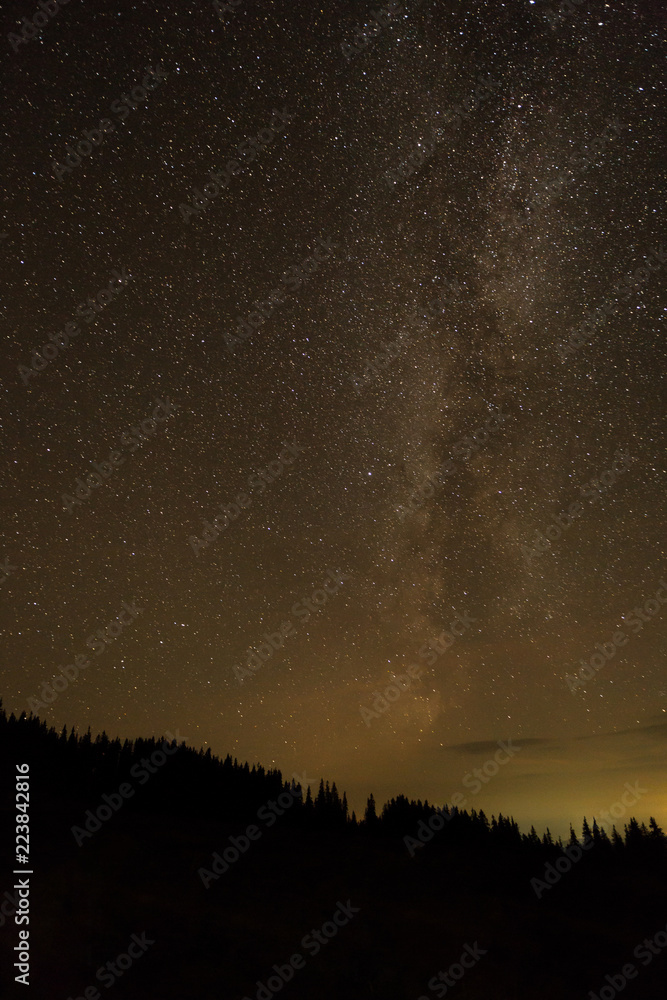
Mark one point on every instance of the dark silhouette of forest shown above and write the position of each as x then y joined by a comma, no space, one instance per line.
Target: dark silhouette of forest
124,839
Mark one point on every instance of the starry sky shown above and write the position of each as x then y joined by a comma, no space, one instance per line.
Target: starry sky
520,212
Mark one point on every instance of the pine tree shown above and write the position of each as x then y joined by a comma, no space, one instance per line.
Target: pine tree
370,816
616,841
656,832
633,836
604,839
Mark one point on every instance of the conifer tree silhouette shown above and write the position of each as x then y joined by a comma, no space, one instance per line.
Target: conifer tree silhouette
370,815
656,831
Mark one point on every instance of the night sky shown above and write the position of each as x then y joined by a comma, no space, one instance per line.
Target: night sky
407,303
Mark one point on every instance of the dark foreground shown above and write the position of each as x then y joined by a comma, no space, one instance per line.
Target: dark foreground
340,908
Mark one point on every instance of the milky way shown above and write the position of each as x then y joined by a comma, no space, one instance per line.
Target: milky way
519,204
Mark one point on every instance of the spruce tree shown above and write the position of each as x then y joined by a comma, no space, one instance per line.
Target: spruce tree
370,816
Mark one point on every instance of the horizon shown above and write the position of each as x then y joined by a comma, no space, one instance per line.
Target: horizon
632,799
333,419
